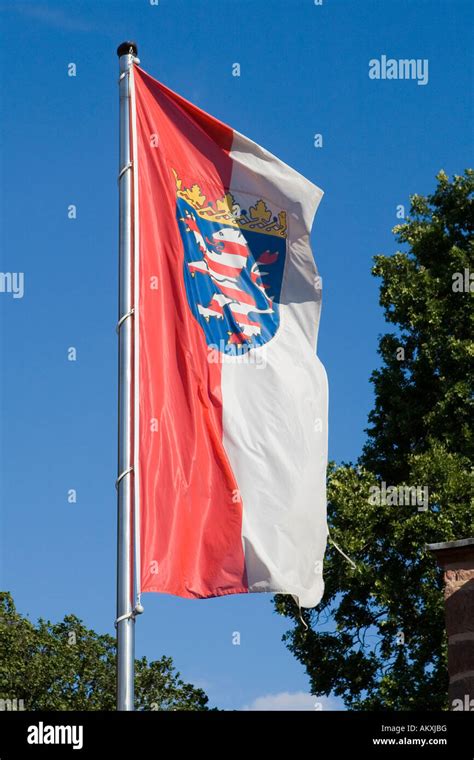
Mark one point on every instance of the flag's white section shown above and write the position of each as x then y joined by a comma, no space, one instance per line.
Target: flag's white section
275,405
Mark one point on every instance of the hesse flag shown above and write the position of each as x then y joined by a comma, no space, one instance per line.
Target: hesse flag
230,397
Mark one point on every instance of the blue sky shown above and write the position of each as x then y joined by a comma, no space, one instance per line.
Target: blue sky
304,70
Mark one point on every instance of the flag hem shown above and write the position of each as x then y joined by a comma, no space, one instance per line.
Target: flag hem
136,340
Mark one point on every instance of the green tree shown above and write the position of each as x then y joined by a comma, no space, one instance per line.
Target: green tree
377,638
66,666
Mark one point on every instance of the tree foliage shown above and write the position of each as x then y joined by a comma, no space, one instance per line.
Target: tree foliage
66,666
377,639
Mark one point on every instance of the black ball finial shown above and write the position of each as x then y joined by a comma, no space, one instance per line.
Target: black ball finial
127,48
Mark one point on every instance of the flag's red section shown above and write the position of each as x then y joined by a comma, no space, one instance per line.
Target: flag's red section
191,516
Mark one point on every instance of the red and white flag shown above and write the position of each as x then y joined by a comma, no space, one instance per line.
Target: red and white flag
230,442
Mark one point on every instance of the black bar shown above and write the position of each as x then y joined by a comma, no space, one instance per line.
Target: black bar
315,734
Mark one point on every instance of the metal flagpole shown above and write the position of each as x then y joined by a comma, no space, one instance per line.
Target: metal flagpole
125,622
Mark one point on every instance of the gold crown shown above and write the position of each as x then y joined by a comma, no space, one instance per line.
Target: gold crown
258,218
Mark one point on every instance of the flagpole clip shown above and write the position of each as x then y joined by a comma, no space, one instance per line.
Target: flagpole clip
124,169
127,72
137,610
123,318
122,475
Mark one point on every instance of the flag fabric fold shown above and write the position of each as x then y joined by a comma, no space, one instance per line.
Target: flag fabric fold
230,398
